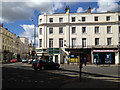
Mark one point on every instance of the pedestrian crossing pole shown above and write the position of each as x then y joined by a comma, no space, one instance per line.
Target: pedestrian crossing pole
80,68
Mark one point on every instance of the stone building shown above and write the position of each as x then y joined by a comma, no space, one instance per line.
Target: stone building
94,36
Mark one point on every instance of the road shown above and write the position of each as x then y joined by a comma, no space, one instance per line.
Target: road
21,75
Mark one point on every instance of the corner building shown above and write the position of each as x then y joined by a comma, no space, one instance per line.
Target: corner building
65,36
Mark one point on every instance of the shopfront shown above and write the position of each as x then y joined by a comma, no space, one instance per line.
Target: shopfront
104,56
83,53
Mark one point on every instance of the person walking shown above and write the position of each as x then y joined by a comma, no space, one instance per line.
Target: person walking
85,61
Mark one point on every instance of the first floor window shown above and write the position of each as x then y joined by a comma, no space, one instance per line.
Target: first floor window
50,30
73,42
109,41
61,42
96,41
73,30
83,29
40,31
40,40
60,30
96,30
84,43
109,29
50,43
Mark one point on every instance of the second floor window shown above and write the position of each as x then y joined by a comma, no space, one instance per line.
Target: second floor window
96,30
60,30
109,29
61,42
109,41
50,30
73,19
83,29
83,19
96,18
60,19
40,31
73,30
96,41
50,43
50,19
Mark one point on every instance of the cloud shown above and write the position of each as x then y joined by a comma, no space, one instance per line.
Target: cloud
107,5
12,11
80,9
29,33
93,10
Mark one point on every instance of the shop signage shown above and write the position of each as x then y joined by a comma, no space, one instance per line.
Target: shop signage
53,50
105,50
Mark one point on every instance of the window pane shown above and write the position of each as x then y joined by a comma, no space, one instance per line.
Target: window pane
108,29
108,41
73,42
84,42
51,20
73,30
40,42
107,18
95,18
83,29
60,19
50,43
61,30
73,19
96,41
50,30
83,18
61,42
96,29
40,31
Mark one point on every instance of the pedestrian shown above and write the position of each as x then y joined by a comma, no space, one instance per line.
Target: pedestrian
85,61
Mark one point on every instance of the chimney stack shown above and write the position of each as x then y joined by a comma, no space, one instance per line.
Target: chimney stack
89,9
67,9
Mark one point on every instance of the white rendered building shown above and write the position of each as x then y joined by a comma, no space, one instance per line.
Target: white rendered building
94,36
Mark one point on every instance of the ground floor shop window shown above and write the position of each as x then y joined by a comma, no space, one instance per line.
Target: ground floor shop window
104,58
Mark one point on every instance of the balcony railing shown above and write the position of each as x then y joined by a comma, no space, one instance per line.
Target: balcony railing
93,46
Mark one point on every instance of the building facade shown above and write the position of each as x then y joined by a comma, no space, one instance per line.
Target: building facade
11,46
94,36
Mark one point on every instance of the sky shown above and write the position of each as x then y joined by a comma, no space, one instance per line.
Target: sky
17,15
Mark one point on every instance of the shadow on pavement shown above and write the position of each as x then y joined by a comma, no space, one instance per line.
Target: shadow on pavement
24,78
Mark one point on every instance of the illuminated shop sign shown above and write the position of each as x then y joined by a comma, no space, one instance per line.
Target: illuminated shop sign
105,50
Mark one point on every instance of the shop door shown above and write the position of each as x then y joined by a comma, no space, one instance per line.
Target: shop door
96,59
56,58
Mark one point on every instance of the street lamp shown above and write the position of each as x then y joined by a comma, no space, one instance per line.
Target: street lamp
34,45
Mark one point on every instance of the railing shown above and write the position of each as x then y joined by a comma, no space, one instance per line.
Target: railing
93,46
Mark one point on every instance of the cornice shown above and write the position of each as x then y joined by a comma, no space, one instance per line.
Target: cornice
80,23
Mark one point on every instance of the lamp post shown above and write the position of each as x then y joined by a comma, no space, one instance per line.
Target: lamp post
34,45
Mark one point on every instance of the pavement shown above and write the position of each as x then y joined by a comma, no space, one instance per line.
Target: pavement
93,80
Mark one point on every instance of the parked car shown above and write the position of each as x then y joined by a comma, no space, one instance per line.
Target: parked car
30,61
13,61
44,64
24,61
